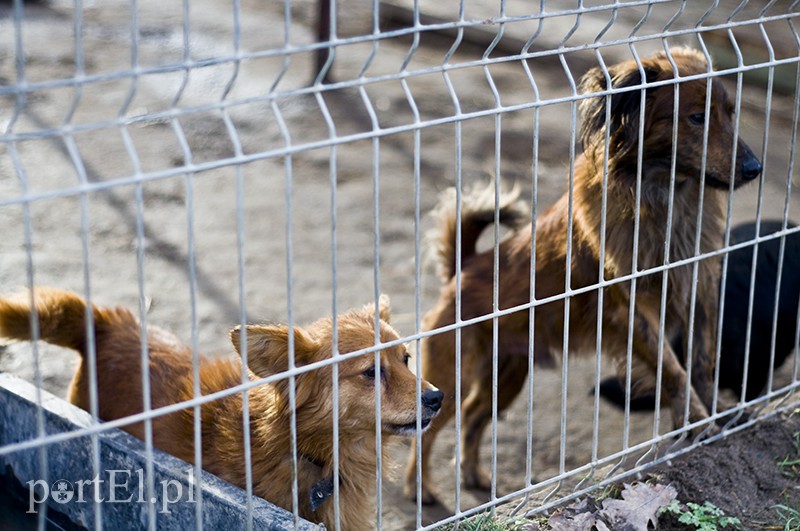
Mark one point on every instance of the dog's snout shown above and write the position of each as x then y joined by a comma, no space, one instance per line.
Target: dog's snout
751,168
432,399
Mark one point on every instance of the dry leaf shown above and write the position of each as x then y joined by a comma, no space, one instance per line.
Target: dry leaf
636,511
638,508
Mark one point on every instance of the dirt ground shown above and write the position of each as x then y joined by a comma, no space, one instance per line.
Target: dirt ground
748,482
755,486
202,167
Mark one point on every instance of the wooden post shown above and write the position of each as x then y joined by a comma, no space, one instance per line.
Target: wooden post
323,34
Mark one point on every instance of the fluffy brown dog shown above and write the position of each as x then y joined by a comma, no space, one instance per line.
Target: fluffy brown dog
694,177
117,340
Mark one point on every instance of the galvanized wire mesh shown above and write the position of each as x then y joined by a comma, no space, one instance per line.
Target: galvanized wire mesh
239,162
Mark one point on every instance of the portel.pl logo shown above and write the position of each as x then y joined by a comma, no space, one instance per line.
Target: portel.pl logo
118,486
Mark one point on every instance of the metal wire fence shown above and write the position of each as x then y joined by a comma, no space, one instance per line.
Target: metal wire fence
211,164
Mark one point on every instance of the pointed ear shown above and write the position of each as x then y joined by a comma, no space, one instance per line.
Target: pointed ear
268,347
384,306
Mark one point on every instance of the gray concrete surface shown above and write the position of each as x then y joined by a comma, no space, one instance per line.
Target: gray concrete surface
125,501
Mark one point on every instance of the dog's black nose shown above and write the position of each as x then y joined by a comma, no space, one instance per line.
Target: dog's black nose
751,168
432,399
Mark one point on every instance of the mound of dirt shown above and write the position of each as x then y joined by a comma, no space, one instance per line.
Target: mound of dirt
734,483
740,474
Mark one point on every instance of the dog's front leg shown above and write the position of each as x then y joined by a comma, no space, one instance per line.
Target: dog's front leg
703,354
646,343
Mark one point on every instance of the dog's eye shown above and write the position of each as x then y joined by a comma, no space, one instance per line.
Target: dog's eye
697,118
406,358
370,373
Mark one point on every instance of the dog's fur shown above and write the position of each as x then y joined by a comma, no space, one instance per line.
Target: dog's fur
551,236
735,320
117,343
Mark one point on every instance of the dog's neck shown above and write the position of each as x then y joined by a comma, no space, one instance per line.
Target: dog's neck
357,458
653,210
655,196
359,452
357,472
272,453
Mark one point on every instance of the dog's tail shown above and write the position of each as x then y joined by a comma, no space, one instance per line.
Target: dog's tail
478,208
61,317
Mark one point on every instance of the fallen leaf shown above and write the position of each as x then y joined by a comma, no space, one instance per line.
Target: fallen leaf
636,511
638,508
577,522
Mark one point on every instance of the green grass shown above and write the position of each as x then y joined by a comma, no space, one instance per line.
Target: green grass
788,517
790,465
705,517
612,491
487,522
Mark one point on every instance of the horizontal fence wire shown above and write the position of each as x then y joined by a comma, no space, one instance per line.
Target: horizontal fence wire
146,176
316,134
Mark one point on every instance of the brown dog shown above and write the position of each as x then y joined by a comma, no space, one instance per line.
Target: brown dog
117,340
694,177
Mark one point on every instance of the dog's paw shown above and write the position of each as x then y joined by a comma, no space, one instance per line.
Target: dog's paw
734,418
427,497
476,477
705,431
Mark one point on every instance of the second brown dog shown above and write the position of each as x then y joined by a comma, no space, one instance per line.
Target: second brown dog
631,178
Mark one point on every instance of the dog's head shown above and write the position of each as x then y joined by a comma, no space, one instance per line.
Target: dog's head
622,118
267,354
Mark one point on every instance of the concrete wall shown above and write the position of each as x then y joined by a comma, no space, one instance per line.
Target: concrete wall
123,467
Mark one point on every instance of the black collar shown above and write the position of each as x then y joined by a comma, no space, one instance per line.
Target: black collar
322,489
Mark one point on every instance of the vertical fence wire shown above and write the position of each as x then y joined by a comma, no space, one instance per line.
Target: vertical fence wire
289,238
376,277
459,183
418,266
189,184
787,201
498,127
20,104
288,183
573,124
667,257
141,242
334,183
634,266
532,270
726,238
602,250
734,154
80,169
336,137
764,157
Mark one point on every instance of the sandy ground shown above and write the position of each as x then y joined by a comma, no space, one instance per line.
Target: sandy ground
189,196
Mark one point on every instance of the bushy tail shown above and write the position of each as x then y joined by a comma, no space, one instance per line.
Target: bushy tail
477,213
61,317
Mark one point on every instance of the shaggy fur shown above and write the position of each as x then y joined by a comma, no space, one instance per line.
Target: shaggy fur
617,116
736,367
117,342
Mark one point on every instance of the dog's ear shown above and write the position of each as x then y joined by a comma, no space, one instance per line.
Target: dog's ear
383,306
623,122
268,347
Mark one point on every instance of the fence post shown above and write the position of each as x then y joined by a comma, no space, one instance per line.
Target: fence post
323,34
